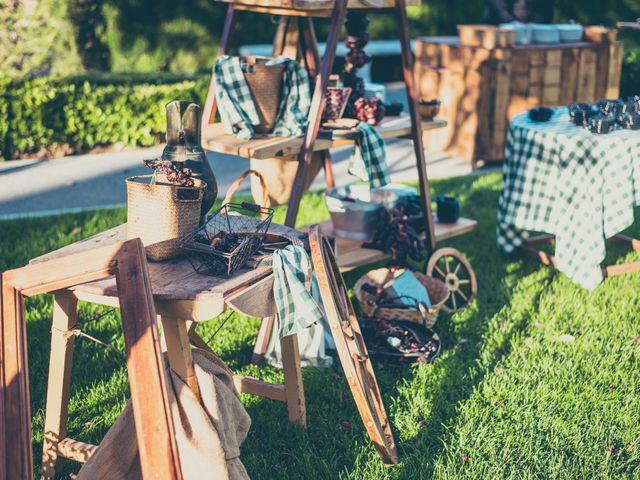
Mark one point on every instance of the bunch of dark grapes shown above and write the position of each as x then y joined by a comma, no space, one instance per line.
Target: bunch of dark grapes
334,101
401,231
369,109
173,171
225,242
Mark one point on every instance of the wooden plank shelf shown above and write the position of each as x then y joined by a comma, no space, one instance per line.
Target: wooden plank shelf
262,146
389,127
350,253
313,6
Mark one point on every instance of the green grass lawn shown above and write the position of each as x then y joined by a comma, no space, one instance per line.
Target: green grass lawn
506,399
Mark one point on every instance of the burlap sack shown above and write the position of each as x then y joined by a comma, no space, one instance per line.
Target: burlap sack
208,438
279,174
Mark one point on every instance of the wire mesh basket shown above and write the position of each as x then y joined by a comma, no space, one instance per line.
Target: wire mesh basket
229,237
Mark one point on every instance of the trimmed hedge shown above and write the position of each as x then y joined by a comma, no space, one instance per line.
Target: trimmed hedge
76,114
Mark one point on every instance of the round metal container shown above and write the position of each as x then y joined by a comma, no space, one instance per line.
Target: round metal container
353,214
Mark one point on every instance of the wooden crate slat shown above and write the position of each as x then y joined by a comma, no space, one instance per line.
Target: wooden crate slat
502,82
568,87
602,71
614,68
586,91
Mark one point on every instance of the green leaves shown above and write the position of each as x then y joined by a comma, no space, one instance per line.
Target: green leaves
75,114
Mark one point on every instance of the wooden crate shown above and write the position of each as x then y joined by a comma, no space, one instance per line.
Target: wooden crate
482,89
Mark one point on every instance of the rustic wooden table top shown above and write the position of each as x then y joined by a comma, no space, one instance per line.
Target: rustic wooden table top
171,280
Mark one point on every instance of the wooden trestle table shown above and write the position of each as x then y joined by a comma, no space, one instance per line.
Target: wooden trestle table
182,298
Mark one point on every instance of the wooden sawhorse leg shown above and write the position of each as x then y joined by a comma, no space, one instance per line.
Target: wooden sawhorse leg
292,392
293,386
58,386
176,336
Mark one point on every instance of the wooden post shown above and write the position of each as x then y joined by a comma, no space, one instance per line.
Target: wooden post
209,111
179,349
59,381
315,112
416,121
15,406
293,385
149,397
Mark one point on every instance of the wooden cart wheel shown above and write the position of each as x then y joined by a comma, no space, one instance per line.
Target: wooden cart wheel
451,266
351,347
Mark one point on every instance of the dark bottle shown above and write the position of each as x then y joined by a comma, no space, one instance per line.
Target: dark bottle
183,145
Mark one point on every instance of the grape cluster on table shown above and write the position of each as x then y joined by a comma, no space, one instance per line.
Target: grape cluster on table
401,230
174,172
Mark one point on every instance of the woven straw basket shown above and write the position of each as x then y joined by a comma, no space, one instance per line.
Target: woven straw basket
265,84
383,277
161,214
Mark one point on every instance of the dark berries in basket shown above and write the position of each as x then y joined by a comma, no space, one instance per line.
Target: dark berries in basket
174,172
225,242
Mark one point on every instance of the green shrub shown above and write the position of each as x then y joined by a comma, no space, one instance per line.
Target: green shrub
630,81
79,113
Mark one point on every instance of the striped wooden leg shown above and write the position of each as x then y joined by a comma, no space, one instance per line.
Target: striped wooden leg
179,351
293,386
416,121
315,112
59,382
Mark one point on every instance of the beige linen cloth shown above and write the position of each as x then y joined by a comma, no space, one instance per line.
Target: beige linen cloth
208,438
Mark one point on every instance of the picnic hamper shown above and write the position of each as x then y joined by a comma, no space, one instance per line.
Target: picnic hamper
161,213
265,84
383,277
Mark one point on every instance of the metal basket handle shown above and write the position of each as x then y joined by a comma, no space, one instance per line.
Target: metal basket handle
265,202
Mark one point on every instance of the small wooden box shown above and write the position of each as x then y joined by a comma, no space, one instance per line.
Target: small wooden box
486,36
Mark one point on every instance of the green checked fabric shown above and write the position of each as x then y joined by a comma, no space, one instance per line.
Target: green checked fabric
236,106
369,159
566,181
296,309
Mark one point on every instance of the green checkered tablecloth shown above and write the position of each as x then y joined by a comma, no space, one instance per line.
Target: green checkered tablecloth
566,181
296,307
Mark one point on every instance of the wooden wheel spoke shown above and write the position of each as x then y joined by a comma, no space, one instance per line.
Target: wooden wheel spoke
446,263
455,271
437,269
464,281
459,292
453,300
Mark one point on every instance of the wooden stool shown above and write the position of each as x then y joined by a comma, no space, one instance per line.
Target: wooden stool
181,299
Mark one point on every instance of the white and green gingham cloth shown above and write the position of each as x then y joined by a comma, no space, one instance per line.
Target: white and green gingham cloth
566,181
296,308
369,159
236,106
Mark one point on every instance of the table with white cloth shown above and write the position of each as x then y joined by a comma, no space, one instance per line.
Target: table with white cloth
577,186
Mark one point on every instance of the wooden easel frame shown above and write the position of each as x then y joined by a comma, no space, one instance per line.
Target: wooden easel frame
154,425
305,35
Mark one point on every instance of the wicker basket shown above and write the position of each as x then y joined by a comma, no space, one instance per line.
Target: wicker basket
265,84
383,277
161,214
